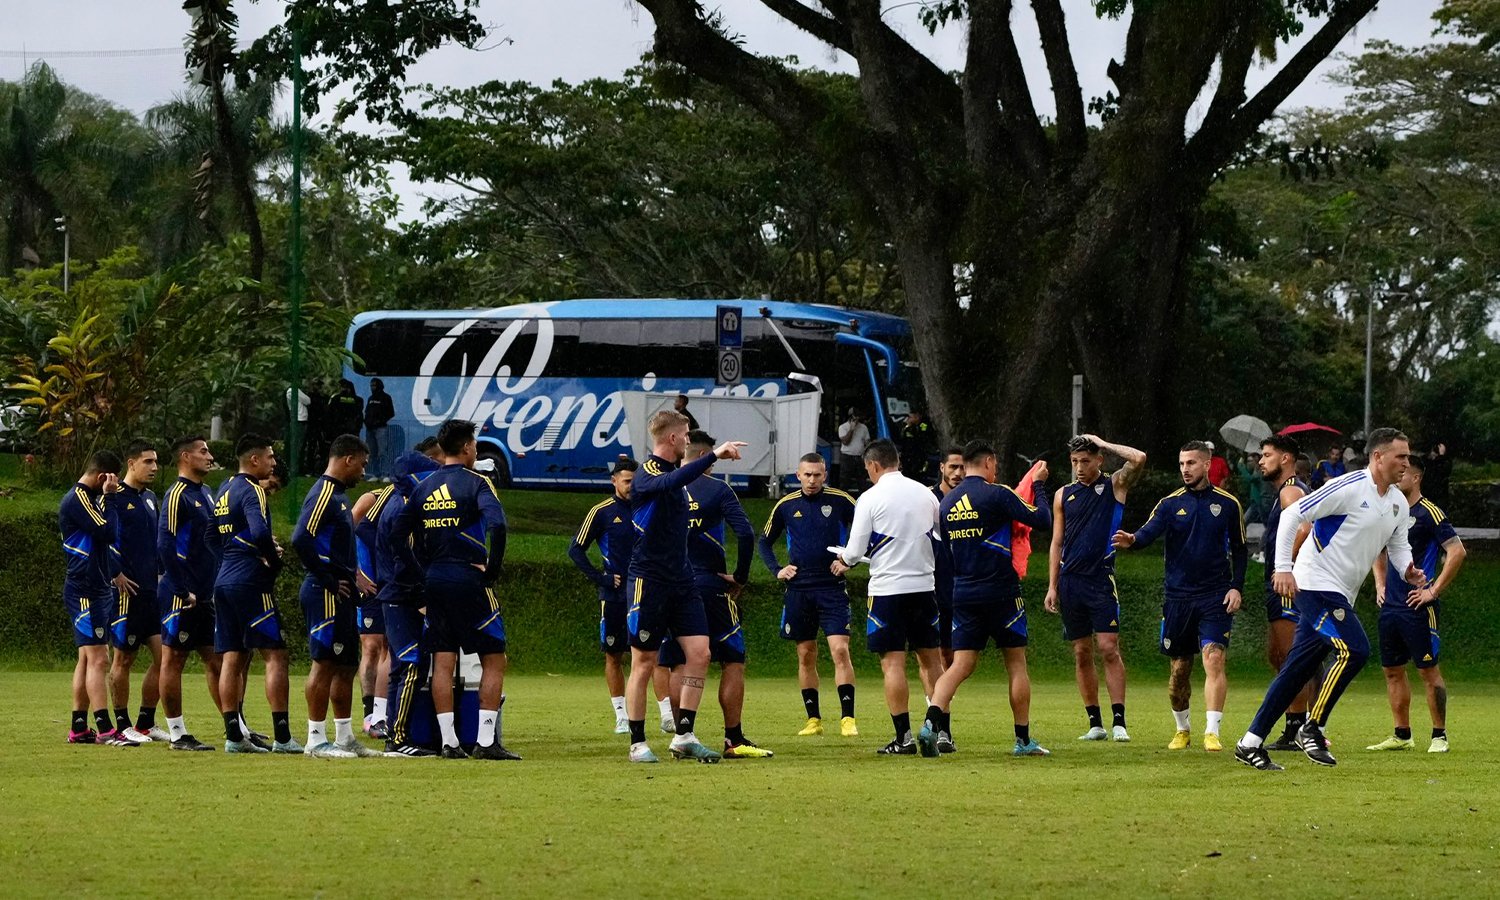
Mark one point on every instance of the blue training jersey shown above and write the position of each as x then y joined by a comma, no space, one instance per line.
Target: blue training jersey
1091,516
366,537
977,519
610,526
455,520
324,535
1273,523
133,516
659,509
812,523
1205,542
1428,532
711,506
243,519
83,521
185,528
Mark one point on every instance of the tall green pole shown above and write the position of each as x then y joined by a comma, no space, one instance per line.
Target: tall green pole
294,438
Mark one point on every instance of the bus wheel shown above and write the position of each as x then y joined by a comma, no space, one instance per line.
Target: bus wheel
502,467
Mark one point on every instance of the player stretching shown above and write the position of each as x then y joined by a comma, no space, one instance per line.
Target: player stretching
374,650
136,623
245,614
185,539
892,529
1353,518
1408,622
815,518
660,585
1204,529
1278,466
400,598
324,541
977,516
458,528
711,506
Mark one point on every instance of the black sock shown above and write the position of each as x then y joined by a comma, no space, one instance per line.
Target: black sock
1094,720
686,718
734,735
232,726
122,718
1295,720
1118,711
80,721
369,704
637,731
281,724
846,700
1403,734
147,718
1023,733
101,720
810,700
1439,732
935,718
903,725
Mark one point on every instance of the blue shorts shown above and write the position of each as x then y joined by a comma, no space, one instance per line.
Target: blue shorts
463,613
902,622
245,618
1001,621
370,616
1187,626
726,639
1089,605
659,608
614,637
1279,607
804,612
90,611
136,619
185,627
332,635
1408,636
404,626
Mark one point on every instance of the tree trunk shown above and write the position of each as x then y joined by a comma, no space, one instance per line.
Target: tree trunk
241,177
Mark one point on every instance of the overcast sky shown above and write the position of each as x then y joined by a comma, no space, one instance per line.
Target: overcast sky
572,40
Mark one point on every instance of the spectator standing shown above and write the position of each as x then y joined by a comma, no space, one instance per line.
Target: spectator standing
854,437
379,410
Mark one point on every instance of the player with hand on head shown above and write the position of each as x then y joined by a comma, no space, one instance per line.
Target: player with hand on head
136,623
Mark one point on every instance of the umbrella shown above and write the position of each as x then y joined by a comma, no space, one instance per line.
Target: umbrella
1245,433
1306,427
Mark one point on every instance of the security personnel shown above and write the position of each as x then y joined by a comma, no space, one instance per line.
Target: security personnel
815,518
1204,528
458,528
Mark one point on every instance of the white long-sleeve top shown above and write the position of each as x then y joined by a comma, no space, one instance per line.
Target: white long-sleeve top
892,521
1351,523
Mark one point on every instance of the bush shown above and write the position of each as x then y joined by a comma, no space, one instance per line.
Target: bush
1469,504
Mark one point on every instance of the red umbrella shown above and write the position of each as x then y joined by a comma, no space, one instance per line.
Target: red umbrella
1307,427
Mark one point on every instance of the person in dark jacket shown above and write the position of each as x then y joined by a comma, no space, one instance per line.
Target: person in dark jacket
380,409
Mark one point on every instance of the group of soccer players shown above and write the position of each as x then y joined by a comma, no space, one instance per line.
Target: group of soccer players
402,581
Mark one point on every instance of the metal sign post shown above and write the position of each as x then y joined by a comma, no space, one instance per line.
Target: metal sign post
730,369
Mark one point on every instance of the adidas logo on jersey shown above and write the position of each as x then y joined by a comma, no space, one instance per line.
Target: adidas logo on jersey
1182,512
797,514
963,509
439,499
616,521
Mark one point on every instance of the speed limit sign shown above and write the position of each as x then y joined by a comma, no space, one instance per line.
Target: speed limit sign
730,370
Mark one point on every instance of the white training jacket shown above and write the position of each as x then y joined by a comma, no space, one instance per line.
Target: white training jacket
892,521
1351,523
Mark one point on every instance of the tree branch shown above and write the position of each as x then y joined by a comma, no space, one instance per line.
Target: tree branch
1072,129
994,67
829,31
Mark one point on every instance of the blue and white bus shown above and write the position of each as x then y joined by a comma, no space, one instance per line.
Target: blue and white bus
543,380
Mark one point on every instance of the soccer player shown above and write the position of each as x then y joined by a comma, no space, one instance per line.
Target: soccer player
186,538
374,651
324,541
660,585
400,597
977,517
135,623
1279,454
459,533
711,506
83,520
893,524
1204,530
951,471
1353,518
245,615
815,518
1081,573
1408,622
608,524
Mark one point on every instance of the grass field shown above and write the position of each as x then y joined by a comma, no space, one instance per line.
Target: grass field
826,816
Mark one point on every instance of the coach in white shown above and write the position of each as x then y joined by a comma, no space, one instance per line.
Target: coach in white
893,521
1354,517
